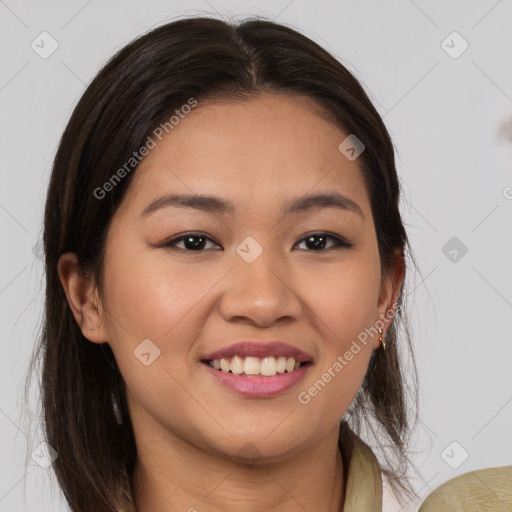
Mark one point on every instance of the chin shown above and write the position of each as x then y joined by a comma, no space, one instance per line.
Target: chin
258,449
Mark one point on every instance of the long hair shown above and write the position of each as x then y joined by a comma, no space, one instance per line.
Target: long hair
84,409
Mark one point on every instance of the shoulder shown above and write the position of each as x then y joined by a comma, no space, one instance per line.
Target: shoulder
482,489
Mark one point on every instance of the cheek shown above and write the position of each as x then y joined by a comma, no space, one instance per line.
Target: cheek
345,306
328,394
148,296
149,299
345,301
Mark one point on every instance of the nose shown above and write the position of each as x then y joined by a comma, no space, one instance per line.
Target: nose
259,293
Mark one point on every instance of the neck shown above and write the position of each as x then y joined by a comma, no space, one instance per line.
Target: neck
172,474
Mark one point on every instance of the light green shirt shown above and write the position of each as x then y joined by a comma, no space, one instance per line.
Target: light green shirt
482,490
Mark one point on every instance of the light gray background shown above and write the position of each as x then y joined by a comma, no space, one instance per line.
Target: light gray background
451,122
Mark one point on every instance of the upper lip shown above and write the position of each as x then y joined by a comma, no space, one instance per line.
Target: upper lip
259,349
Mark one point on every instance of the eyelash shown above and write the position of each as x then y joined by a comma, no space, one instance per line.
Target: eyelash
340,243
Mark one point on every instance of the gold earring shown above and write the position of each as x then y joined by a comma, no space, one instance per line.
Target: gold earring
382,340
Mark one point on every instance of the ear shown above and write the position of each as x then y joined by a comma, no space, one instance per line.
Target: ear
83,298
388,296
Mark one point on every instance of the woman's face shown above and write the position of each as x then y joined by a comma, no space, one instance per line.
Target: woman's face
251,273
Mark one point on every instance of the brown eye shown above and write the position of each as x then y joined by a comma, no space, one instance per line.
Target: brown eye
318,241
191,241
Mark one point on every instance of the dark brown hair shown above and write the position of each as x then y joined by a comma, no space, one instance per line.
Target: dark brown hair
86,418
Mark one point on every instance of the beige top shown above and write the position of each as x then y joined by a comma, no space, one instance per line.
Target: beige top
476,491
364,481
480,490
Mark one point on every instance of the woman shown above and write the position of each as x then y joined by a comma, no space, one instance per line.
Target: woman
225,265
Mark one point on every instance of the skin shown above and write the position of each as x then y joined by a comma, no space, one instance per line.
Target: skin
191,432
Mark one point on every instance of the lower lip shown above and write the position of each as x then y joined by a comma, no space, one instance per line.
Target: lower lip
259,387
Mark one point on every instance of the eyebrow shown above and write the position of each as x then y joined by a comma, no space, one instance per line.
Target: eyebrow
215,204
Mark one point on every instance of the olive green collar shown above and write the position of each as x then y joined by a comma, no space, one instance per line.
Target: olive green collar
364,481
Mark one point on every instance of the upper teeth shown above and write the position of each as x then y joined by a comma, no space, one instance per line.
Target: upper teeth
267,366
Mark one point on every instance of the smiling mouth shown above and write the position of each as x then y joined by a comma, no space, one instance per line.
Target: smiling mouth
256,367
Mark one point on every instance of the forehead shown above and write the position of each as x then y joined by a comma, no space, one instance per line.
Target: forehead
261,150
